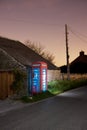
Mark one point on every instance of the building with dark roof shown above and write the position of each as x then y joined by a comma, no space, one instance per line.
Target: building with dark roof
14,54
21,54
79,65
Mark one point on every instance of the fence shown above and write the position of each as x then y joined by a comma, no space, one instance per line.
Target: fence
6,79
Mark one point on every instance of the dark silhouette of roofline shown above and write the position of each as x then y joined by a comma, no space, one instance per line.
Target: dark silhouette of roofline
22,53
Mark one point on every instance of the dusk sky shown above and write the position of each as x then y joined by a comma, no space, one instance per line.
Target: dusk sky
44,21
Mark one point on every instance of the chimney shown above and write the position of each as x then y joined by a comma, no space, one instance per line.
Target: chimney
81,53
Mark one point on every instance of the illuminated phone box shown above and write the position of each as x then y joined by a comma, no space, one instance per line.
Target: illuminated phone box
39,77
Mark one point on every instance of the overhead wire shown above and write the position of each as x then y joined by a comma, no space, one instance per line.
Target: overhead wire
77,34
28,21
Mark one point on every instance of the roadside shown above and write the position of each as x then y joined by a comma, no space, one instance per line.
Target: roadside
55,88
9,104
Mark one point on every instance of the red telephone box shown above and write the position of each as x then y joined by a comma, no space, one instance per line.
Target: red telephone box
39,77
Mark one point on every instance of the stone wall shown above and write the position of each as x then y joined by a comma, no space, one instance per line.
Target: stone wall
73,76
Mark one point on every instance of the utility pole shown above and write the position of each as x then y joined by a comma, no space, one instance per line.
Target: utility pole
67,53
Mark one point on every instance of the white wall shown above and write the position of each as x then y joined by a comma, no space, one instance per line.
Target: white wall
53,75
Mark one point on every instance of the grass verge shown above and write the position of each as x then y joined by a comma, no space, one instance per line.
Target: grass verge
37,97
54,88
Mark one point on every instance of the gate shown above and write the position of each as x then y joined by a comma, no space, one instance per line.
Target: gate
6,79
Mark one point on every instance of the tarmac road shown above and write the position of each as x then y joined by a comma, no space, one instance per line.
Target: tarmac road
67,111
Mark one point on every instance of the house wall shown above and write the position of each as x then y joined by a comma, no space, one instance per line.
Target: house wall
6,79
53,75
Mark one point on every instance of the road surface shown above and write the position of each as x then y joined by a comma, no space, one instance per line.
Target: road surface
67,111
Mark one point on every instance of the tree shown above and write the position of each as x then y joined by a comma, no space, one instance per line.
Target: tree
39,49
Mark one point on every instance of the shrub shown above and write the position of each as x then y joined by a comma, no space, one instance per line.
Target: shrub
64,85
18,83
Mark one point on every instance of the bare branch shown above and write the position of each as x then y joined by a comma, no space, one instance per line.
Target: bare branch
39,49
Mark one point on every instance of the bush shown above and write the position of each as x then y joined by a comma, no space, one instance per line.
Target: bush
59,86
18,83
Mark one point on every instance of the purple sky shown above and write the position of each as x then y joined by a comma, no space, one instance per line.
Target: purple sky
43,21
